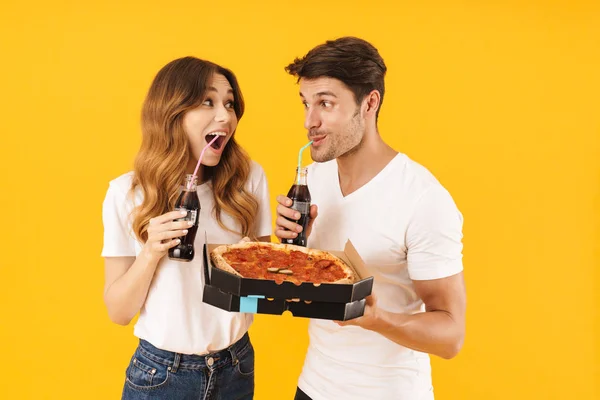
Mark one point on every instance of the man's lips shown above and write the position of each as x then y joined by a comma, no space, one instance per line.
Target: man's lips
316,140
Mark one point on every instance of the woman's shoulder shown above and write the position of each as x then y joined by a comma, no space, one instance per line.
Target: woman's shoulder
257,172
118,194
121,183
257,179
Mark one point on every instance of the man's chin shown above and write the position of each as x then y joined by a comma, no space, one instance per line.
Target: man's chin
320,156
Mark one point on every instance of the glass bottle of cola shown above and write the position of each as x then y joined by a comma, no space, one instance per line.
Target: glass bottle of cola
188,201
300,197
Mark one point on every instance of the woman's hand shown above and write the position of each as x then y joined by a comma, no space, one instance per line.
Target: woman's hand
163,232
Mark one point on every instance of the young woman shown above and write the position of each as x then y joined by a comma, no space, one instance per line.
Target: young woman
187,349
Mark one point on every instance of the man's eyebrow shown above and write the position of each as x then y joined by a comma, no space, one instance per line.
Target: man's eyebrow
320,94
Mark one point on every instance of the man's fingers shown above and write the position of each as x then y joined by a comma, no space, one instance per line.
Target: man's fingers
282,233
284,201
343,323
371,299
281,222
287,212
286,227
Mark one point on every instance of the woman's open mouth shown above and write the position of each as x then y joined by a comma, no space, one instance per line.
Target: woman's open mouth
216,144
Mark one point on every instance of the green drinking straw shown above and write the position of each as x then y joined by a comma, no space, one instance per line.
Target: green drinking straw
300,161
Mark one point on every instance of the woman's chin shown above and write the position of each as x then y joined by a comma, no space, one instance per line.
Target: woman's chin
210,160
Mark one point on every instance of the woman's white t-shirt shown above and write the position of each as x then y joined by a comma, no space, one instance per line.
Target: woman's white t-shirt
174,317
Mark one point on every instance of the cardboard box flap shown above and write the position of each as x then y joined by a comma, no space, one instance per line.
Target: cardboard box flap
356,261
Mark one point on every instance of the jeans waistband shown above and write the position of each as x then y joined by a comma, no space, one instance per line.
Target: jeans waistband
192,361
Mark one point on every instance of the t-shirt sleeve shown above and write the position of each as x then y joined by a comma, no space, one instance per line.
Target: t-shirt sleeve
118,238
434,236
263,218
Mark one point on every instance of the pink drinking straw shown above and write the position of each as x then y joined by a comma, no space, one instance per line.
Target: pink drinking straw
200,159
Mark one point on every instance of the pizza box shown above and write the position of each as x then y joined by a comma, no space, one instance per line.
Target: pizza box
262,305
325,292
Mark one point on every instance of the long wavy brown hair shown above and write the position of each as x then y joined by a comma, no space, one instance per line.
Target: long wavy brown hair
160,165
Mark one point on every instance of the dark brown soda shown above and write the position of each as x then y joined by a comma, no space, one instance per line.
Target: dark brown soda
188,201
301,200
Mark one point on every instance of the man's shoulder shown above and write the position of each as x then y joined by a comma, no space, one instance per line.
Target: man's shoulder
415,176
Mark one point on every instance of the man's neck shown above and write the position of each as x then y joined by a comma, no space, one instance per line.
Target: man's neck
358,167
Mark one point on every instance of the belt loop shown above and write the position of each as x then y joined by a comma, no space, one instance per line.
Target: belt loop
234,359
176,362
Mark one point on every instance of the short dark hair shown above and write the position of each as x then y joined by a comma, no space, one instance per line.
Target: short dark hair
352,60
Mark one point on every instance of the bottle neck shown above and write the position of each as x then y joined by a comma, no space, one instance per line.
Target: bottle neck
301,175
190,183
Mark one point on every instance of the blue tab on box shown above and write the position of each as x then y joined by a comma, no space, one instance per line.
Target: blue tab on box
249,304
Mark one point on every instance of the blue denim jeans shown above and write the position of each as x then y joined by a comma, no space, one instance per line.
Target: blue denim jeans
158,374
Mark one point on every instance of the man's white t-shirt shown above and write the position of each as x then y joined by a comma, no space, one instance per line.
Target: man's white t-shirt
405,226
174,317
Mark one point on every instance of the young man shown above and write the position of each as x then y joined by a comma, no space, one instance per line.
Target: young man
402,221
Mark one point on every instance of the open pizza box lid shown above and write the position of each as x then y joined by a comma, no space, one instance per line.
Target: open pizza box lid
307,291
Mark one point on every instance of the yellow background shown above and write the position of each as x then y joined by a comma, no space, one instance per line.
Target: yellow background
499,100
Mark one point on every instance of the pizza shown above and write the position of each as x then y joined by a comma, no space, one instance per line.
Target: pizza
281,262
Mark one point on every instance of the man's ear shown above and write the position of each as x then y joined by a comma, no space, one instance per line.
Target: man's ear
371,103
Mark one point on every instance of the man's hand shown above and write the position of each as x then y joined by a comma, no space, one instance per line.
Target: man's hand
285,227
370,317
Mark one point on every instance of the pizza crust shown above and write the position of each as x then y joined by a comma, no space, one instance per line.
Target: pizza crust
218,261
